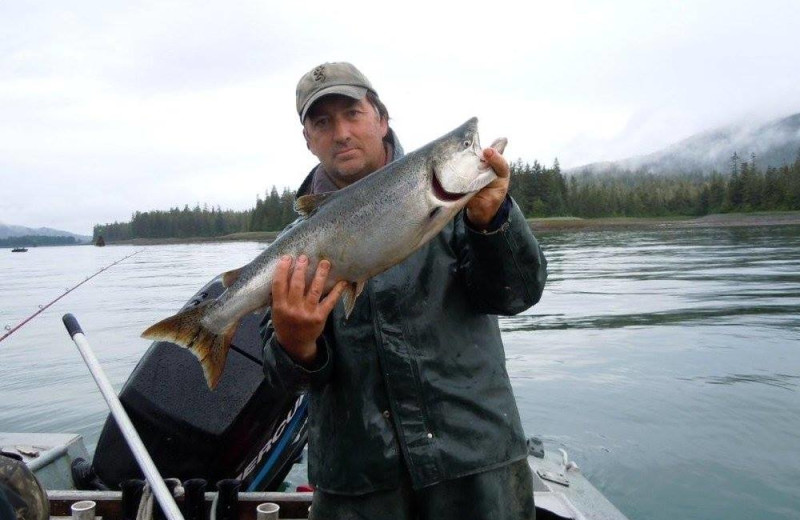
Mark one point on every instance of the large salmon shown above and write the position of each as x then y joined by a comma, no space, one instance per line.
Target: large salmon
362,230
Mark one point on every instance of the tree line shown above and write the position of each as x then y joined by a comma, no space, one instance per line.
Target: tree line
37,240
546,192
269,214
540,192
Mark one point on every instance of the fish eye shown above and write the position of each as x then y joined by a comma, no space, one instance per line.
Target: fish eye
467,143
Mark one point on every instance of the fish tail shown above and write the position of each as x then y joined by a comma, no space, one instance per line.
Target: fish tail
186,330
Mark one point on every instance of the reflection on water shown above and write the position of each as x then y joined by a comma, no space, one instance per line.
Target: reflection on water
666,362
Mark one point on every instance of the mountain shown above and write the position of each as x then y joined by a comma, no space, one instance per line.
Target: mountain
9,231
774,144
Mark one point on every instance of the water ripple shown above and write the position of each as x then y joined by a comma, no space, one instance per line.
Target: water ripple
785,381
715,316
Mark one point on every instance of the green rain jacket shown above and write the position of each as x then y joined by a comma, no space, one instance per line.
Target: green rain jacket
415,379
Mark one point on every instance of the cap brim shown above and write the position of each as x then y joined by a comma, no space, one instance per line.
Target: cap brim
343,90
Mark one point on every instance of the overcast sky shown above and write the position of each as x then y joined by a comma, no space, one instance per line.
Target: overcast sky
111,107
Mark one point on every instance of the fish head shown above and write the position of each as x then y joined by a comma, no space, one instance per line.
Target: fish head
458,169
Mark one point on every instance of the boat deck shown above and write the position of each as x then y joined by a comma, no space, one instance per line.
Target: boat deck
48,455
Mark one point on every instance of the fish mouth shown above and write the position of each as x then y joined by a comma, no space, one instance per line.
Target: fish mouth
442,194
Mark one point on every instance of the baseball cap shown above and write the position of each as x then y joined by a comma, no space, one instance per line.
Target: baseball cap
330,78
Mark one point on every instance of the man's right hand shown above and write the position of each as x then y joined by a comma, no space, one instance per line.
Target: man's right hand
298,315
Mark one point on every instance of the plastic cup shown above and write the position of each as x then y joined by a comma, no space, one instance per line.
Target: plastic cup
83,510
267,511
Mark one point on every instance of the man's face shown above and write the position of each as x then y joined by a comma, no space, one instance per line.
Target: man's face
346,135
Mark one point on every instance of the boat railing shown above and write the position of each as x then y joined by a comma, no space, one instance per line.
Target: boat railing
108,504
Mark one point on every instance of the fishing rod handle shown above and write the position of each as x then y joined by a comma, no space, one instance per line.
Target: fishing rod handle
72,325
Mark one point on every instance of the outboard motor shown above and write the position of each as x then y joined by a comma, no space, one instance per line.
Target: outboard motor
246,429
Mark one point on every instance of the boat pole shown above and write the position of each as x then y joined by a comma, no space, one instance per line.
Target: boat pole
135,443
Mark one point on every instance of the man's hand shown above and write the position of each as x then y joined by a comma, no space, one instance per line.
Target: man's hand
482,208
299,315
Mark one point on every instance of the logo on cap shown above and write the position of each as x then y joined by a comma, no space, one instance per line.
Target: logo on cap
319,73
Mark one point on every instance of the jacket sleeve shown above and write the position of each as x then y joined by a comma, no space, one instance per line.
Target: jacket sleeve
505,269
281,371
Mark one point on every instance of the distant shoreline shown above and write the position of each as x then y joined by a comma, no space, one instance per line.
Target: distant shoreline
717,220
546,225
250,236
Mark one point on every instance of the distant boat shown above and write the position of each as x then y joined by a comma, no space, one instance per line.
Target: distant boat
20,250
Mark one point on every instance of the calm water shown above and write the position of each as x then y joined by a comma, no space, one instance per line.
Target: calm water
667,363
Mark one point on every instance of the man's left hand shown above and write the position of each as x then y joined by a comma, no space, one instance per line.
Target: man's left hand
482,208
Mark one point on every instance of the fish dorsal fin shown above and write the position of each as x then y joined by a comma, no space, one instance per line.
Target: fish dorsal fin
307,204
230,277
350,295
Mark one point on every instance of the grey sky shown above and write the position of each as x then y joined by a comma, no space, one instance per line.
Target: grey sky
108,108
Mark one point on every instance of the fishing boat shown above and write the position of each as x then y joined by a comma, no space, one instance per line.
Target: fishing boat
560,489
20,250
234,448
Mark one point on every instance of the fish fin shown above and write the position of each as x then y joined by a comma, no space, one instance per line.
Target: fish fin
307,204
185,330
499,144
230,277
349,296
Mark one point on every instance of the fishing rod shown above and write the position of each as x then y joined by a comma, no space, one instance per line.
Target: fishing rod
148,467
10,330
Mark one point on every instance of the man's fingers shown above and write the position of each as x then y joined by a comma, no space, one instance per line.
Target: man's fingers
498,163
297,284
329,302
318,283
289,285
280,281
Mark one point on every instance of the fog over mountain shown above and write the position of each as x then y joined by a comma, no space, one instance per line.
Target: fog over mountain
774,144
10,230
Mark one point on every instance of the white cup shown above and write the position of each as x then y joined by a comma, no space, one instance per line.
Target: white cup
83,510
267,511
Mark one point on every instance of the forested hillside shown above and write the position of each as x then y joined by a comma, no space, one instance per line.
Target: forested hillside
546,192
775,143
269,214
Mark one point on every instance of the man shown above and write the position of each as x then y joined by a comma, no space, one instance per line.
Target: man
411,415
